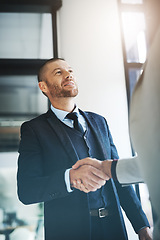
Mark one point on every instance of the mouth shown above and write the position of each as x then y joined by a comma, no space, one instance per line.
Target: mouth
70,83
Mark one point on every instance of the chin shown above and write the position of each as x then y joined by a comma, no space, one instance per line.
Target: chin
75,93
72,93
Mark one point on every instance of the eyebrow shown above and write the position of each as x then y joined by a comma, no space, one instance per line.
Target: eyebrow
60,69
56,69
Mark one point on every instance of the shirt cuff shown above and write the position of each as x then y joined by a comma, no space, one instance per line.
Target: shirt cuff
67,180
113,169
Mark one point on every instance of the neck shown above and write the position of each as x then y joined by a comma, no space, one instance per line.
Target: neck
65,104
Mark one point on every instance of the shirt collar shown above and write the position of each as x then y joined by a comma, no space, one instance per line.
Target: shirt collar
61,114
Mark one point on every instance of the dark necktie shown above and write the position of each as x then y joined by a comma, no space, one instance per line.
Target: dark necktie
76,123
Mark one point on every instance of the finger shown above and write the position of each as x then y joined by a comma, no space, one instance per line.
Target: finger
92,188
77,183
95,175
93,185
90,177
88,161
98,173
74,183
80,186
84,189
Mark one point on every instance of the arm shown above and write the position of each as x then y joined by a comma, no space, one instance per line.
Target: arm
132,207
39,170
145,234
127,171
35,183
131,204
129,200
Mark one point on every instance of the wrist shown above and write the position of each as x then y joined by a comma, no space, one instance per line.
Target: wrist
143,229
113,169
71,174
67,180
106,167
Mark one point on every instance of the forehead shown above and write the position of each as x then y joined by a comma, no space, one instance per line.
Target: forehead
58,64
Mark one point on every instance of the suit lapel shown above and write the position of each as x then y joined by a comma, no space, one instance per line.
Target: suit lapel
94,126
62,135
65,140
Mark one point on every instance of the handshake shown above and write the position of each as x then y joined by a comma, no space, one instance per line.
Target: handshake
90,174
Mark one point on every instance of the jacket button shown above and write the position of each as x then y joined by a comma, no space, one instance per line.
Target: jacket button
52,195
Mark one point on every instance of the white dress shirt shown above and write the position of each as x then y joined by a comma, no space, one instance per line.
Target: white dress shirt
61,115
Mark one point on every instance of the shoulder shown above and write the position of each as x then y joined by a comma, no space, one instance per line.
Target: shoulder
94,114
91,114
97,117
34,122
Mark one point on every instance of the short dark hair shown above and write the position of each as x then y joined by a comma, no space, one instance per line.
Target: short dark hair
42,68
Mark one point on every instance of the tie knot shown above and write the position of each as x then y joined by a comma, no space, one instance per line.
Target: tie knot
73,116
76,123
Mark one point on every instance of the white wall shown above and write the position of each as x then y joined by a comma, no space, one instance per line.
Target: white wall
89,39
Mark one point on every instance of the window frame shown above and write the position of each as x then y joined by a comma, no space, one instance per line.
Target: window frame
29,66
123,7
19,67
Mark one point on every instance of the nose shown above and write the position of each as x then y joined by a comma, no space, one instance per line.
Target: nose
68,75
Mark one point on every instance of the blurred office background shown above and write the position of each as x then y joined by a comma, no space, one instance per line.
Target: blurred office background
105,41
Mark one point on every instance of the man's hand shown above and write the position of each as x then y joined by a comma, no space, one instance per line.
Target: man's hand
145,234
104,166
87,178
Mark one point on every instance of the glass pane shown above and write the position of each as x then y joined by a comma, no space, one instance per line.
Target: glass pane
26,35
20,221
133,77
132,1
134,36
20,100
20,95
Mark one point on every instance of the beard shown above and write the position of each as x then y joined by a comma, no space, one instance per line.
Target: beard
58,92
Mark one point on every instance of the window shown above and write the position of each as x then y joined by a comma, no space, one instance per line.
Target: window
28,37
133,24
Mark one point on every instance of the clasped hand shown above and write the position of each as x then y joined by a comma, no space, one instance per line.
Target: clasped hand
90,174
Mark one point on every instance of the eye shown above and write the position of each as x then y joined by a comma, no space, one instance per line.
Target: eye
58,72
70,71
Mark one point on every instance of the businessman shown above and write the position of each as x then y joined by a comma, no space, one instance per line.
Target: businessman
50,144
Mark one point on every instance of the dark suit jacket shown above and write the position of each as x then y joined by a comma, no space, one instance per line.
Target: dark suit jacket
45,153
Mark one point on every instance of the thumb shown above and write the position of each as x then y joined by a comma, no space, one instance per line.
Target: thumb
87,161
78,164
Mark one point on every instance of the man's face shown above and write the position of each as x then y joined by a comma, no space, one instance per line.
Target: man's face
60,80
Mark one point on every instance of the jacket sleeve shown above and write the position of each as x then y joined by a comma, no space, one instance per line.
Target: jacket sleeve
128,198
33,184
132,207
128,172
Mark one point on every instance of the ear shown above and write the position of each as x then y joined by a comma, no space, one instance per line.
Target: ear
43,86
